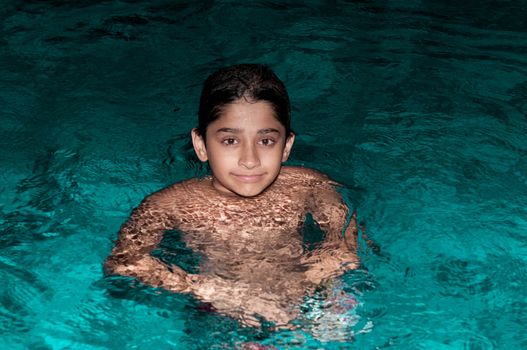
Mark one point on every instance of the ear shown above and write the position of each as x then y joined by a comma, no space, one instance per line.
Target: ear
199,145
288,145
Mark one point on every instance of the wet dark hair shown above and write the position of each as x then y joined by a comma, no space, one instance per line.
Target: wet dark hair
254,82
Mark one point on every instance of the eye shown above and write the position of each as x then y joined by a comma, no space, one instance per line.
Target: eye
229,141
267,142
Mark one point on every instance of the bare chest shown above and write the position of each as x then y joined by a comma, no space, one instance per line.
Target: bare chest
247,228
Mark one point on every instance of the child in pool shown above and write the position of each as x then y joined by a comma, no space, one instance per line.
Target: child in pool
246,219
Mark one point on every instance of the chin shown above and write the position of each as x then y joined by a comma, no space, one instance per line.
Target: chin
245,189
249,193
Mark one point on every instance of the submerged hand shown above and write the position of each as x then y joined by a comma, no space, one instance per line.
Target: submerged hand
241,301
329,262
179,280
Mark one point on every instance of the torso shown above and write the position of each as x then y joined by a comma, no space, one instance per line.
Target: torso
257,241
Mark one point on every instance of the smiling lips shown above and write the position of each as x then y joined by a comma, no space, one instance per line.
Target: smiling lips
248,178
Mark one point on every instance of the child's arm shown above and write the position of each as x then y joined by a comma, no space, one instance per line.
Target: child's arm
337,253
137,238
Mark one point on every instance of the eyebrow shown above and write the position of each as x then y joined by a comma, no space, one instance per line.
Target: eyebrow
237,131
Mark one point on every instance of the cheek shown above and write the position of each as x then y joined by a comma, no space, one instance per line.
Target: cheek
274,157
219,158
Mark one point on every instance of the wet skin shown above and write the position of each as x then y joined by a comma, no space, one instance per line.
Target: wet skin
245,221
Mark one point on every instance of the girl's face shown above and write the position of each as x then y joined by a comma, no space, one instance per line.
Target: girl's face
245,148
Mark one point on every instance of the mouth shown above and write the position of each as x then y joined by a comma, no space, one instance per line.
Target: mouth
248,178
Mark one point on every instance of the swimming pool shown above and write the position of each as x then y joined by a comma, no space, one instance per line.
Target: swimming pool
419,108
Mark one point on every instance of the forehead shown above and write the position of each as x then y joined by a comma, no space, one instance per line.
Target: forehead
247,115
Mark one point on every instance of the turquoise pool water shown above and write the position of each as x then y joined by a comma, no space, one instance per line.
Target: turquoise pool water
418,107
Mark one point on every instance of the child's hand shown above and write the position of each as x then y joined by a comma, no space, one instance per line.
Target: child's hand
178,280
204,287
240,301
328,263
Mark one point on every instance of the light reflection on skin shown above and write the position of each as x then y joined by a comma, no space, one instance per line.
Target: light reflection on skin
245,220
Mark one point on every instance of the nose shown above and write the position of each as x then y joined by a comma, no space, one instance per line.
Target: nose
249,157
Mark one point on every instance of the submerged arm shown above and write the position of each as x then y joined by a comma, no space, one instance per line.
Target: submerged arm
338,252
137,238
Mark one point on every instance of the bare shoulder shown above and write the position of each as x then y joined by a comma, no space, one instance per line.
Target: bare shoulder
322,191
169,198
308,176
